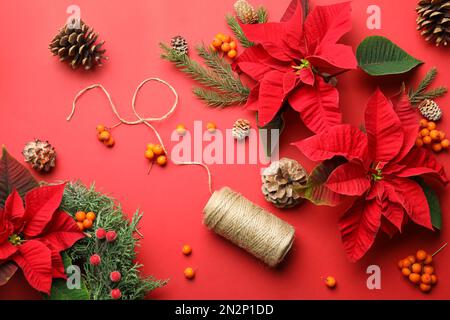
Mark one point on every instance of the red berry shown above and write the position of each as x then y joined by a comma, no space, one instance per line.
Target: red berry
111,236
100,233
115,276
116,294
95,260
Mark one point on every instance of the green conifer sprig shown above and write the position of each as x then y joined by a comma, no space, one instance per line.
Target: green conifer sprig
418,95
223,87
233,24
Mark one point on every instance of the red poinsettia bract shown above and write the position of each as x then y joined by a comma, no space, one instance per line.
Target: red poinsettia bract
288,61
33,236
378,172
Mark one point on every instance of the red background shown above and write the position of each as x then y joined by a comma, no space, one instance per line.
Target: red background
35,97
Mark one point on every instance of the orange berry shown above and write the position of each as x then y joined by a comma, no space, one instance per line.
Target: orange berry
330,282
406,272
426,278
437,147
87,224
416,268
232,54
406,263
104,135
212,48
445,143
442,135
149,154
80,216
433,279
225,47
226,39
211,127
110,143
400,264
421,255
428,269
150,146
419,142
100,128
181,129
414,278
411,258
434,134
187,250
90,216
216,43
233,45
220,36
427,140
80,225
431,125
158,150
425,287
423,123
161,161
424,132
189,273
428,259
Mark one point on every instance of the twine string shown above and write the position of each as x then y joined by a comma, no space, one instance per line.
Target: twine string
140,119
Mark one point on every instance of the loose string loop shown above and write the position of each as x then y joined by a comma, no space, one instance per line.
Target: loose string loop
140,119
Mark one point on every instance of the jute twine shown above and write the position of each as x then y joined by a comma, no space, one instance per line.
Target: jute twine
227,213
249,226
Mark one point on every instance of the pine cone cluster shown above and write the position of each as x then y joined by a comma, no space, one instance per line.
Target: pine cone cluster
180,45
281,182
241,129
40,154
434,20
245,12
430,110
78,47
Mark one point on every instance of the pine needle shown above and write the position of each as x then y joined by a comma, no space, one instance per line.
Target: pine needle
218,100
420,94
263,15
238,32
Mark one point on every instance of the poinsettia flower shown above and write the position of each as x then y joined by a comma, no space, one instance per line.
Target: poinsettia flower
34,235
288,61
378,173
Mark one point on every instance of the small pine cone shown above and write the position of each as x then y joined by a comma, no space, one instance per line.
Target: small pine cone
430,110
434,20
180,45
40,154
78,47
282,181
241,129
245,12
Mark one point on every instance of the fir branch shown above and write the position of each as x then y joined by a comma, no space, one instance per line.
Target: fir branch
238,32
263,15
119,255
217,100
223,70
420,94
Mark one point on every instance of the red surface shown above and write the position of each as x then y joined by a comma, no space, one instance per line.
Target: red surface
35,97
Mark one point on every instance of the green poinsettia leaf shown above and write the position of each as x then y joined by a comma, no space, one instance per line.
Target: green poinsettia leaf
379,56
316,191
433,203
7,270
13,175
60,290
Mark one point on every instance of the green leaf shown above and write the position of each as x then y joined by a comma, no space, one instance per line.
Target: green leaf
7,270
60,291
379,56
316,191
433,203
13,175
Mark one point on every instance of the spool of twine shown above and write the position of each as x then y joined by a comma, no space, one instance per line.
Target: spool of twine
249,226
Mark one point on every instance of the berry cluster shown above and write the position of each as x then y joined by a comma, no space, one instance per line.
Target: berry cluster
189,272
85,220
96,260
225,44
430,136
104,135
419,270
156,151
